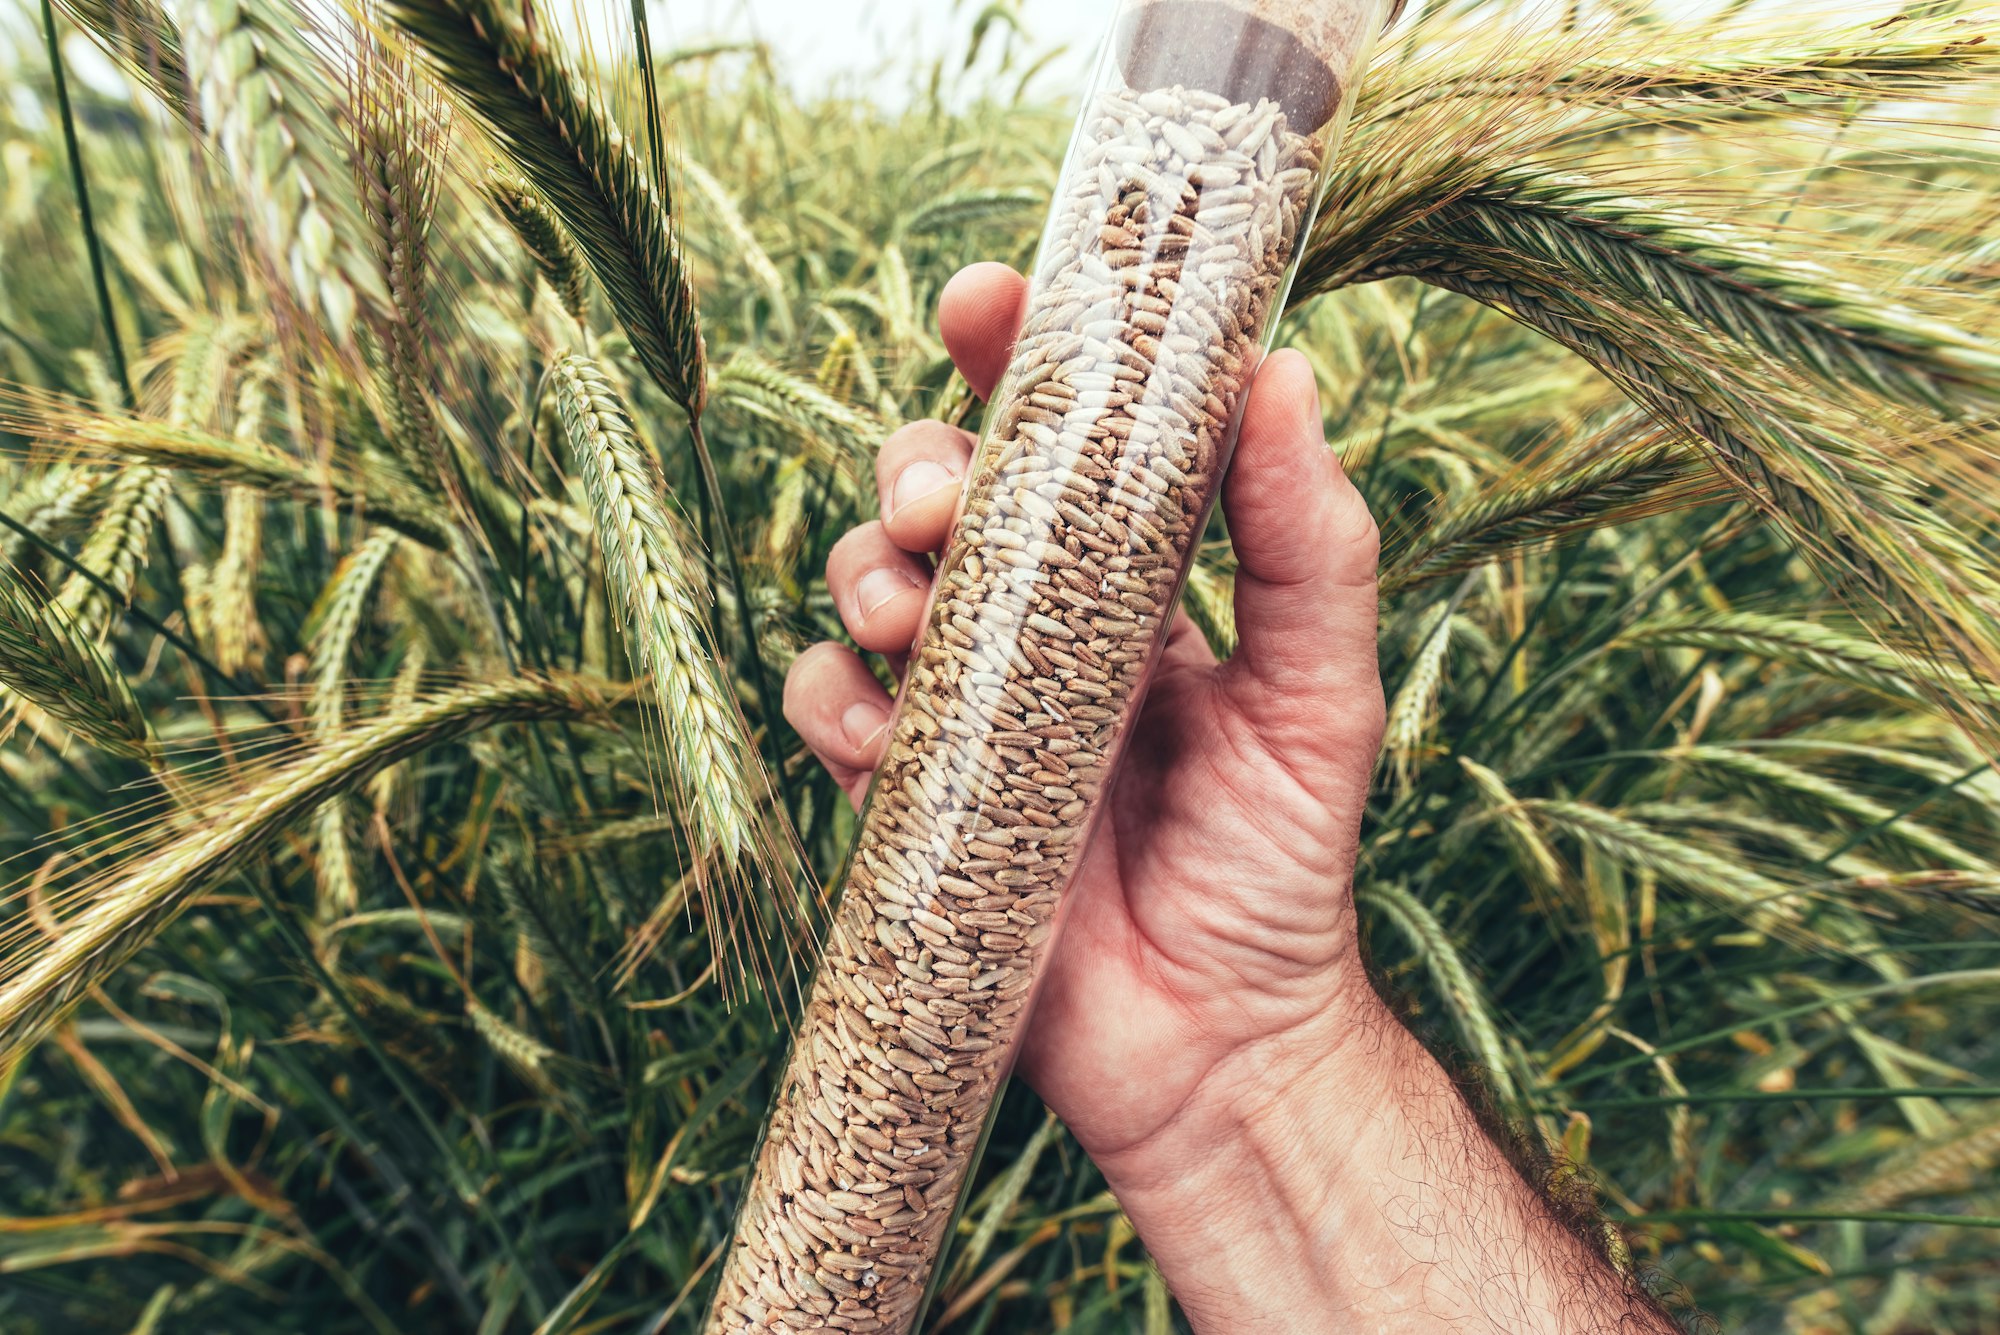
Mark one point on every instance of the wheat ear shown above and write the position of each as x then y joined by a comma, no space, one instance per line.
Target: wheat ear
264,105
1917,56
1411,712
843,435
38,986
1783,782
142,38
563,140
116,548
1547,878
1636,477
1726,282
232,594
1951,1162
965,208
232,583
47,504
46,660
1853,514
750,253
1812,647
653,572
336,619
398,133
1764,903
541,234
371,491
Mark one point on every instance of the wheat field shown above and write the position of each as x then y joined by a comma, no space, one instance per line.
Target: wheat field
422,431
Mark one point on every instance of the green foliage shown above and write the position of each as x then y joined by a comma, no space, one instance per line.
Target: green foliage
400,920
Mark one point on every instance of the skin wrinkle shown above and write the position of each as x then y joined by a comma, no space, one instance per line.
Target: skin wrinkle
1242,736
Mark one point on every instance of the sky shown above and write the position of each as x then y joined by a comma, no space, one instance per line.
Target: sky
873,48
828,43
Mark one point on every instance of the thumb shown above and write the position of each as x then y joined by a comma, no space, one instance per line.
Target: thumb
1306,550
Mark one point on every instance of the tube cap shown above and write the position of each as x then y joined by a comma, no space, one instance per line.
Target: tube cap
1300,54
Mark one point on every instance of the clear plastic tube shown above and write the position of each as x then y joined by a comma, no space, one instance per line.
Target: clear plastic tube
1188,189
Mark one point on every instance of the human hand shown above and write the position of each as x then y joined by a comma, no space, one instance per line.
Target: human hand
1212,914
1291,1157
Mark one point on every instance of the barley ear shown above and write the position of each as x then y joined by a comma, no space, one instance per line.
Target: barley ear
541,234
656,583
561,137
46,660
264,103
41,981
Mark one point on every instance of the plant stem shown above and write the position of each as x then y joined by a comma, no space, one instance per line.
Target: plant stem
1811,1217
1802,1094
85,217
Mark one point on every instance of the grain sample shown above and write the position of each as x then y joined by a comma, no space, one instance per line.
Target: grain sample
1166,258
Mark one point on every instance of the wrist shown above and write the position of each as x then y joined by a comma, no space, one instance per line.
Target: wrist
1331,1176
1251,1197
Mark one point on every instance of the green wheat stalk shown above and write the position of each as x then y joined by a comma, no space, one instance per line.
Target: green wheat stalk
721,207
656,585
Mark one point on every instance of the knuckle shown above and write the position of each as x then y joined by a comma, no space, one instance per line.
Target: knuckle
1353,526
1363,534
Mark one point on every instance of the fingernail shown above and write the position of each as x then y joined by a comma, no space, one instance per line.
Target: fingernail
861,723
920,479
878,586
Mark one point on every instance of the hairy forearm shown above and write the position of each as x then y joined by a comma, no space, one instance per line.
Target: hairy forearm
1334,1179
